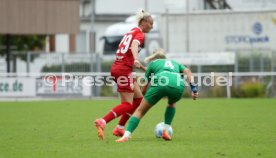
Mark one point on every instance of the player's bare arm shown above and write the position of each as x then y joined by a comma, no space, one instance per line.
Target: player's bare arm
134,50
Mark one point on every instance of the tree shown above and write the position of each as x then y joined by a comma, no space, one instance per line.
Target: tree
22,43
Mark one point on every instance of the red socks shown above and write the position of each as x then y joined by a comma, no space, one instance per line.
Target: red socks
124,119
125,109
117,111
136,102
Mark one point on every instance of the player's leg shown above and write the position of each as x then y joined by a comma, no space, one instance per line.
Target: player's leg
135,119
126,105
138,96
126,92
119,129
152,96
174,95
169,115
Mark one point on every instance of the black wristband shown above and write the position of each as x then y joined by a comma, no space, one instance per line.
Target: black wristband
194,87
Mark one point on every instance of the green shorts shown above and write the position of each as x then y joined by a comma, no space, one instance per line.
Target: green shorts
155,93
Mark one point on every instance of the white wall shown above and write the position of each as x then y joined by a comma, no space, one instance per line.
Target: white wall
153,6
3,65
159,6
118,6
62,43
100,30
221,32
252,4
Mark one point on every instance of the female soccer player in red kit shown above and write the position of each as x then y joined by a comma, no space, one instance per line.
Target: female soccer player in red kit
121,71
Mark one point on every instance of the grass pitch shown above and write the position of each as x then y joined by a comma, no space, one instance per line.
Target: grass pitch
206,128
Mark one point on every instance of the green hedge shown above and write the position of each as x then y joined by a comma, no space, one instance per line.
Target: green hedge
250,89
75,67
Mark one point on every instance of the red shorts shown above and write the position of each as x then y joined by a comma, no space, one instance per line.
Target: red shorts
123,77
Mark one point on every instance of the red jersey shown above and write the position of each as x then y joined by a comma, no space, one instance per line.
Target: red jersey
124,55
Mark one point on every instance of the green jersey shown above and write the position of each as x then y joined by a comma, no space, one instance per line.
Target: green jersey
165,72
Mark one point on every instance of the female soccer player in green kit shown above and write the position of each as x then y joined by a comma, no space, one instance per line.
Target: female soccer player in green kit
165,80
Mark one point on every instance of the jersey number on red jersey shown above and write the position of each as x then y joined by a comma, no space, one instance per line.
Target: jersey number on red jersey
124,44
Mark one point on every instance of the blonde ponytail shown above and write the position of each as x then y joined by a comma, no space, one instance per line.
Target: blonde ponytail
142,14
157,54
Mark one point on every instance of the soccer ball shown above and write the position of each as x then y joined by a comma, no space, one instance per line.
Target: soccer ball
159,129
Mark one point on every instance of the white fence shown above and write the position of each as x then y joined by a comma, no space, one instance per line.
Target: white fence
85,85
248,67
2,65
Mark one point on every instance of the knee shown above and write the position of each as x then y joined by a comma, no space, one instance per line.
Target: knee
171,105
138,113
141,111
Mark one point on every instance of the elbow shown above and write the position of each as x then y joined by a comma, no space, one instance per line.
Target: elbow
187,72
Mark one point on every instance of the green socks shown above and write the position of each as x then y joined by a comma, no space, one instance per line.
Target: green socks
132,124
134,121
169,115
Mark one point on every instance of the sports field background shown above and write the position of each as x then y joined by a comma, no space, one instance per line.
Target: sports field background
206,128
